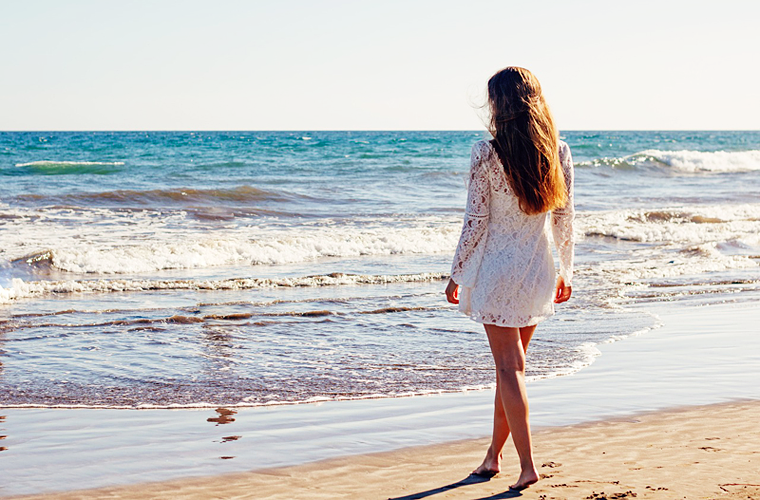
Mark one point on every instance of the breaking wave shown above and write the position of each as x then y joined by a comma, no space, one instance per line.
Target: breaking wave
683,161
676,226
285,247
668,243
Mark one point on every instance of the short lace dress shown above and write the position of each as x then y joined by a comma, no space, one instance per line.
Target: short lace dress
503,263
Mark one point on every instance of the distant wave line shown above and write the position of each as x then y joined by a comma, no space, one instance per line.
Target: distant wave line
244,193
21,289
52,163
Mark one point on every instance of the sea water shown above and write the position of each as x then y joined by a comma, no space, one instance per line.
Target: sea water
193,269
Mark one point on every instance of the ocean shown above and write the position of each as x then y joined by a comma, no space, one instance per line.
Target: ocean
204,269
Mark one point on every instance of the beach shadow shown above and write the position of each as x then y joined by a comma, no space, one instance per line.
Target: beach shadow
504,494
471,479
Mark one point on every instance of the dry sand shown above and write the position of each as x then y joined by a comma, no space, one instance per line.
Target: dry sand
698,452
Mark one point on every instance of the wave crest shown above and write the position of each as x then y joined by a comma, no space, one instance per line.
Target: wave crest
683,161
282,247
677,226
48,167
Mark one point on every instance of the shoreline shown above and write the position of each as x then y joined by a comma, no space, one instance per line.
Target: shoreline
699,357
651,455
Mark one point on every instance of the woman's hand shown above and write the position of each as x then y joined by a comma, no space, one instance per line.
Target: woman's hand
562,292
452,292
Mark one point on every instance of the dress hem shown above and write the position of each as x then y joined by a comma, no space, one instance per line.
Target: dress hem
532,322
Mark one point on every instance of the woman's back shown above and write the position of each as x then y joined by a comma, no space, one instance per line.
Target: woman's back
503,261
505,215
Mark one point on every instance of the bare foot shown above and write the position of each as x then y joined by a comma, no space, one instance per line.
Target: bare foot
527,477
490,467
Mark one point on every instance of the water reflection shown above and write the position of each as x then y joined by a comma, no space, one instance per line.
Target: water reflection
224,416
2,436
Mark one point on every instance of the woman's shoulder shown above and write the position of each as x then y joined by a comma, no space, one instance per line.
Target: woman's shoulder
482,149
481,145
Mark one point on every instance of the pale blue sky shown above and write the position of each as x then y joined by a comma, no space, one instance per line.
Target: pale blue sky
413,64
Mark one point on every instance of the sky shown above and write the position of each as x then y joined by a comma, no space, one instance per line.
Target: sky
373,65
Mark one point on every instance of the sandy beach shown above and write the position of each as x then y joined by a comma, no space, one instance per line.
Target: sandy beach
230,233
668,414
698,452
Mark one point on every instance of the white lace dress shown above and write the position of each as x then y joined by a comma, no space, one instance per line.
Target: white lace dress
503,263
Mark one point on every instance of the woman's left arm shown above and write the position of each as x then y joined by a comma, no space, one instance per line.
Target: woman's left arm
562,229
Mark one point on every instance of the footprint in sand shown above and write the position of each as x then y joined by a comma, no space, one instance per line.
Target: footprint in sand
612,496
741,490
659,488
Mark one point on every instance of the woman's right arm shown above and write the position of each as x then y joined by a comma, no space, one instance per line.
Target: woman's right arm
471,245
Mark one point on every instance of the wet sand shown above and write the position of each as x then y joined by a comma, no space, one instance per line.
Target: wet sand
669,414
697,452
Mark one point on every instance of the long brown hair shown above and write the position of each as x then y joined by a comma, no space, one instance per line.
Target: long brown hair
526,140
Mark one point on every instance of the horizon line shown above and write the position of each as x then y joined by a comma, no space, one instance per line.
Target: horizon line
374,130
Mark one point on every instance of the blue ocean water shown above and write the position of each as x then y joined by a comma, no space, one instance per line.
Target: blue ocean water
160,269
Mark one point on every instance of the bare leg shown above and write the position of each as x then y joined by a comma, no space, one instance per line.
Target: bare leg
508,346
492,462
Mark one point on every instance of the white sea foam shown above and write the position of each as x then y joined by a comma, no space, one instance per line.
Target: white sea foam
107,241
625,276
686,161
251,403
698,161
20,289
282,248
667,242
17,289
587,353
673,242
693,225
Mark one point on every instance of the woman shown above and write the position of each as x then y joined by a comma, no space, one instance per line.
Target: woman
503,271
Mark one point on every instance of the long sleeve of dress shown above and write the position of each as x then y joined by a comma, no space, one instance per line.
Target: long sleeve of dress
562,220
469,253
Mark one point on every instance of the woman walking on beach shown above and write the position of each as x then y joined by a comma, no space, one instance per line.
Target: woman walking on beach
503,272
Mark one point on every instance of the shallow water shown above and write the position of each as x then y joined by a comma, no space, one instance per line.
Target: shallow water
202,269
705,353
